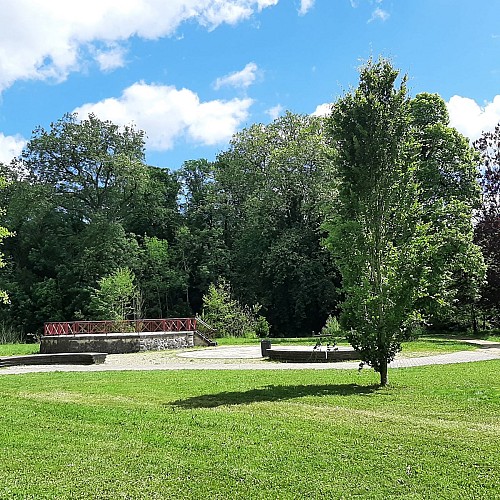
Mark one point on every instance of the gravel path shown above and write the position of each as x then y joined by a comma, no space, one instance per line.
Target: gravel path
246,358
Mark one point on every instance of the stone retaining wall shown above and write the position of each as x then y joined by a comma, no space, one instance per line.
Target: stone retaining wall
119,343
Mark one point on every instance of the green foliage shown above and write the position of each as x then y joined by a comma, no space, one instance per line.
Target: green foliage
114,299
487,229
228,317
402,232
4,233
332,327
96,166
271,181
9,334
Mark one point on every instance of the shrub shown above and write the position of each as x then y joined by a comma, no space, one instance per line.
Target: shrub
230,318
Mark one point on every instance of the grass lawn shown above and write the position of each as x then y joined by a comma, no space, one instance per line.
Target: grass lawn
433,433
419,347
19,349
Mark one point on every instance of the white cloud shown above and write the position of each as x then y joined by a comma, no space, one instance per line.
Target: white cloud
305,6
40,40
111,58
471,119
379,15
275,111
10,147
167,114
323,109
241,79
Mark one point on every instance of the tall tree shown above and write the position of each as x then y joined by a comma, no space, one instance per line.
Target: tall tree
448,194
73,190
96,167
389,247
4,233
200,245
270,182
488,225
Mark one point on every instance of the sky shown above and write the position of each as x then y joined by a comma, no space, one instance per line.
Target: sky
191,73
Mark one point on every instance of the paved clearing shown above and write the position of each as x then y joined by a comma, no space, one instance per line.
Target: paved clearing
246,358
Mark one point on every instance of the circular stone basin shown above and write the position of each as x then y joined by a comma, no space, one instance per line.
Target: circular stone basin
311,355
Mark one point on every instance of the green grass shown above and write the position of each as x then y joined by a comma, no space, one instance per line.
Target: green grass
419,347
18,349
433,433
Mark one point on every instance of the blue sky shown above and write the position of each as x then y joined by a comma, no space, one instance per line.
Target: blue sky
193,72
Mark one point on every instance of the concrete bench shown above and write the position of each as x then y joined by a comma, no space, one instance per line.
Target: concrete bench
64,358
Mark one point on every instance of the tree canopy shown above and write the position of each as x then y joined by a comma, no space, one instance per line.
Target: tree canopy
394,183
406,194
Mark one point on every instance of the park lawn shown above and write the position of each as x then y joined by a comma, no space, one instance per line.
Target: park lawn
19,349
290,434
425,345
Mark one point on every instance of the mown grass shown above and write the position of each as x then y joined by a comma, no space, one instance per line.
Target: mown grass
420,346
18,349
433,433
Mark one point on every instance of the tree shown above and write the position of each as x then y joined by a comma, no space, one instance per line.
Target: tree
96,167
160,280
487,230
392,251
113,300
448,194
200,244
270,186
71,200
228,317
4,233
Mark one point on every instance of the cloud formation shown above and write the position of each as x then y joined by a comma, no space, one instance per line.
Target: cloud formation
168,114
379,15
238,79
323,109
47,40
10,147
471,119
305,6
275,111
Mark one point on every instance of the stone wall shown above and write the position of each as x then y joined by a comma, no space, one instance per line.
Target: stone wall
117,343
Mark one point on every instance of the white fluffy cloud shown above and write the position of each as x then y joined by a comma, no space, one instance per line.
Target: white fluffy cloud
110,58
239,79
167,114
470,118
305,6
40,40
10,147
322,109
275,111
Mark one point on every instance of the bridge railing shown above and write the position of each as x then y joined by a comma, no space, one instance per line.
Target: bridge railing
122,326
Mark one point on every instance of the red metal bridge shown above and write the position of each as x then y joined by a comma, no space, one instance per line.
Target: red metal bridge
123,326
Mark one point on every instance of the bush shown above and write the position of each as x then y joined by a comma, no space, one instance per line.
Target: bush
332,327
228,317
9,335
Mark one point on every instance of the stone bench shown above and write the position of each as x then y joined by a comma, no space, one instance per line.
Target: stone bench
65,358
310,355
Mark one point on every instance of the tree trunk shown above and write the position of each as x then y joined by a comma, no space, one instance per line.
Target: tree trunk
474,320
383,372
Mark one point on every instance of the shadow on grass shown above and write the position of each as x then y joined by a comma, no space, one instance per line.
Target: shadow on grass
272,393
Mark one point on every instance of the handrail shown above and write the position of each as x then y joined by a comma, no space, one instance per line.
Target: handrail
203,335
206,325
120,326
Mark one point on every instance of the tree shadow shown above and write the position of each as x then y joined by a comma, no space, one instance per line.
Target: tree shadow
272,393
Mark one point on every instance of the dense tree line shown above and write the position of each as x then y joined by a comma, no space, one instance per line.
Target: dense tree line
85,208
